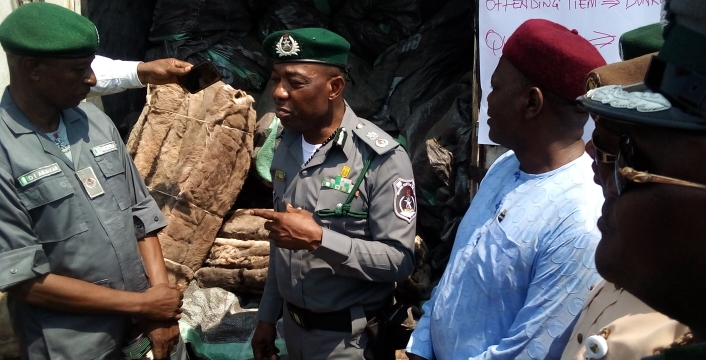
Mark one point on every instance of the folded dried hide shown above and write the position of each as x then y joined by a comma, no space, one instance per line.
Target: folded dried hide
239,254
243,226
193,151
178,273
237,280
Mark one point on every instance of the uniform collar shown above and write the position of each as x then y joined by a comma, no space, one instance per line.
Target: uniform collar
350,122
18,122
292,139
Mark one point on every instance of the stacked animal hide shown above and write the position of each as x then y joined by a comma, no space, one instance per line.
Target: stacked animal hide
239,258
193,151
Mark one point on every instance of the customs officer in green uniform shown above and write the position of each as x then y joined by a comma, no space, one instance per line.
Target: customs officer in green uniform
343,228
79,256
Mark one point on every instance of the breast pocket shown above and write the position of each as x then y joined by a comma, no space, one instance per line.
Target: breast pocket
50,203
111,166
330,199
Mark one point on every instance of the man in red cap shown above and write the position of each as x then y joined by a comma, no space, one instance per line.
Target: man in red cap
522,262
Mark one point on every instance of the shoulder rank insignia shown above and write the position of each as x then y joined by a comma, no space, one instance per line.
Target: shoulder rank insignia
378,140
405,199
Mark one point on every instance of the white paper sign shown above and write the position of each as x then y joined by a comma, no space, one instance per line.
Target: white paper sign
601,22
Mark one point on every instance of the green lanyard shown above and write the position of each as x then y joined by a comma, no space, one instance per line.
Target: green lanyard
345,208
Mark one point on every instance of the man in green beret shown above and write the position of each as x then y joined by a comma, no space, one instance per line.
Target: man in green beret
343,228
79,256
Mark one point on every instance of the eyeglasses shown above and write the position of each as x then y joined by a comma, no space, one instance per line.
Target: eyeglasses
624,173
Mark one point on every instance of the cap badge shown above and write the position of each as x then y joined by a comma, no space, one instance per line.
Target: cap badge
287,46
642,101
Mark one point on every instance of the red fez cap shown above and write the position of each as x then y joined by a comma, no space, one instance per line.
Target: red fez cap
552,56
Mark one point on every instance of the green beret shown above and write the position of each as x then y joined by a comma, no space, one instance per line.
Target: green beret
641,41
48,30
307,45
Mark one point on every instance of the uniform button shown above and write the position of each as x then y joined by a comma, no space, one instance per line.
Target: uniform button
579,338
13,271
156,218
64,184
109,165
304,172
596,347
359,126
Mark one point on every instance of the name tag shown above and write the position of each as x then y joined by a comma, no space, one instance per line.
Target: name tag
104,148
90,182
37,174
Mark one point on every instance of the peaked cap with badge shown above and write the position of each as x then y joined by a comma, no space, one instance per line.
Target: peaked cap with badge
313,45
673,93
47,30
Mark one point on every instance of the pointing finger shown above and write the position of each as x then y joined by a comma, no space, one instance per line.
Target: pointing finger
265,214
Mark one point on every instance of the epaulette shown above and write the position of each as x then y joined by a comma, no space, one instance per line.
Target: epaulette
380,141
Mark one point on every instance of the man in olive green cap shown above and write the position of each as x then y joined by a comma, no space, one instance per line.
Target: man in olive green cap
343,228
650,150
79,256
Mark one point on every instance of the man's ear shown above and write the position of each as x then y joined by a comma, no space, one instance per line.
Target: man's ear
32,67
535,102
337,84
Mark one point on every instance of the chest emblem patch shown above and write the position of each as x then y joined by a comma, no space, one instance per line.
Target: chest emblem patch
405,199
90,182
